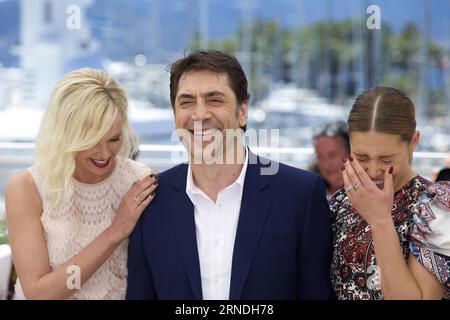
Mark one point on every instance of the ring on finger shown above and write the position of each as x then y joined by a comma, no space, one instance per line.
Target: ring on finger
354,186
138,200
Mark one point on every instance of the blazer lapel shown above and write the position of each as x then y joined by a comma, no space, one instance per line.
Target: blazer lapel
182,215
254,208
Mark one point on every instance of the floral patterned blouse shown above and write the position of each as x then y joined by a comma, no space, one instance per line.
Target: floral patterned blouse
354,271
430,233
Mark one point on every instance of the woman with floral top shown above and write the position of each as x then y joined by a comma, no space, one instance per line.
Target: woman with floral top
374,214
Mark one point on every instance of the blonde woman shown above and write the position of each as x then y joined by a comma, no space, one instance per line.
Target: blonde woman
70,214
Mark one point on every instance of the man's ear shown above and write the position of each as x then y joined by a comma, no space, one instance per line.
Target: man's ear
243,114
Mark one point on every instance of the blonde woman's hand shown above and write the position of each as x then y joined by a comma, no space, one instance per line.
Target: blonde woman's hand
133,203
373,204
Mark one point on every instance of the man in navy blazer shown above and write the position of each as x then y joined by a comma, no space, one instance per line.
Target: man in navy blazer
245,229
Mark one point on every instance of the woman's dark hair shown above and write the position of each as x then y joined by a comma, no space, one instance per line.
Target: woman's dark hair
385,110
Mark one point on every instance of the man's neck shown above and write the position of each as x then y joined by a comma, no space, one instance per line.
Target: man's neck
213,178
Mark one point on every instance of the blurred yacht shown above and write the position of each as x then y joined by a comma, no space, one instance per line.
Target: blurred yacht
295,112
151,124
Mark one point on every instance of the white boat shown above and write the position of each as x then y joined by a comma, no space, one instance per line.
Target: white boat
150,123
296,112
19,124
290,99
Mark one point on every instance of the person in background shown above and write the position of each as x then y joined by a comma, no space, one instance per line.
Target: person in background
70,214
373,215
331,145
443,175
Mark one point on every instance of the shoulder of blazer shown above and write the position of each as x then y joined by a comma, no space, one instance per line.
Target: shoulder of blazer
168,179
173,172
289,174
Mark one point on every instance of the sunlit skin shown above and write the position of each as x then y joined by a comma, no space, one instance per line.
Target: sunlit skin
106,149
329,154
206,100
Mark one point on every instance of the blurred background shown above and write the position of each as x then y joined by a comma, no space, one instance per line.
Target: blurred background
305,60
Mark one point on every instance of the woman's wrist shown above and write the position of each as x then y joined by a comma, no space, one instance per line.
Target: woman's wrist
113,235
381,225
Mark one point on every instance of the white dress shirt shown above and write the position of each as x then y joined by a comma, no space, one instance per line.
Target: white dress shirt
216,225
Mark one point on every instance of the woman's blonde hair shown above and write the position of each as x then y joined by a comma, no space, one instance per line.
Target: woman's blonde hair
81,110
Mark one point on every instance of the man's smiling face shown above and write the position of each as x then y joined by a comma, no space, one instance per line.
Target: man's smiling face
206,108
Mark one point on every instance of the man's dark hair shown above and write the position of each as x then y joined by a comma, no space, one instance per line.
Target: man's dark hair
212,60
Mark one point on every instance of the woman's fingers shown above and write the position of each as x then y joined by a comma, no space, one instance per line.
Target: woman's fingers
146,201
139,186
362,175
133,204
389,181
147,192
147,196
347,183
351,174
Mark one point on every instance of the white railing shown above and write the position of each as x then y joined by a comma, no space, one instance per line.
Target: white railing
13,154
17,156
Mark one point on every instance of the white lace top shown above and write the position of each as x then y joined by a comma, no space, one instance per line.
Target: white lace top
72,227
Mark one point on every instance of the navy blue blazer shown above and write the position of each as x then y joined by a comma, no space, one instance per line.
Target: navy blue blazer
282,249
